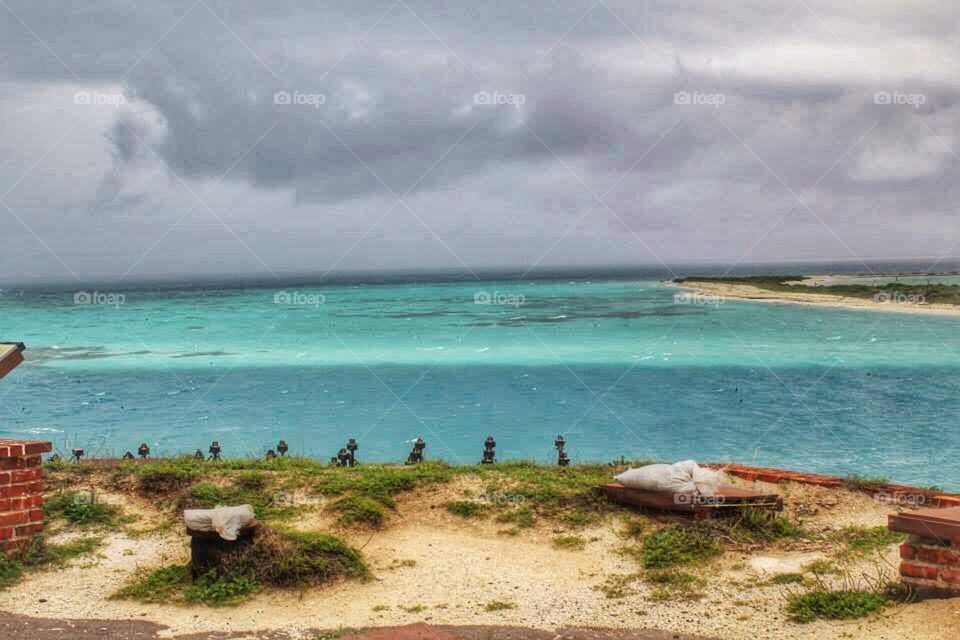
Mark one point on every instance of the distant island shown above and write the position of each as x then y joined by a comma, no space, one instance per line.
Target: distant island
886,293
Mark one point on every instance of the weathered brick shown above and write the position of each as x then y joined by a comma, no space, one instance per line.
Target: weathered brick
26,475
28,530
15,517
6,477
15,490
938,555
950,576
35,448
923,571
28,502
13,450
908,551
35,515
6,533
6,464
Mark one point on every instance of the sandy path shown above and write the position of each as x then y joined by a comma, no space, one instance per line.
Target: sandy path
749,292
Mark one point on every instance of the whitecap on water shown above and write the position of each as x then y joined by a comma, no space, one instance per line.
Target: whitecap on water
39,430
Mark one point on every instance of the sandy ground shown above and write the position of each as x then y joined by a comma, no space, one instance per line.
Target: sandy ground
748,292
432,566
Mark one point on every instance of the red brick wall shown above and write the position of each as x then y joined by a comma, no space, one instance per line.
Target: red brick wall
930,564
21,491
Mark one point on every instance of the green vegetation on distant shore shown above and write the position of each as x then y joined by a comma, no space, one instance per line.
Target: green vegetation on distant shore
889,291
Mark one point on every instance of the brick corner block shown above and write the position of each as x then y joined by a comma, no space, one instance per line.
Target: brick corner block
21,491
930,559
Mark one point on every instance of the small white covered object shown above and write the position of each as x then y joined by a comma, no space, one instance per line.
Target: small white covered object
680,477
226,521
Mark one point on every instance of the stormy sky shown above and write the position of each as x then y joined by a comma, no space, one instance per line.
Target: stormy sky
150,140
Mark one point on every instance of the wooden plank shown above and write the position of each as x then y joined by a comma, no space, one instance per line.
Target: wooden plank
727,498
937,524
11,354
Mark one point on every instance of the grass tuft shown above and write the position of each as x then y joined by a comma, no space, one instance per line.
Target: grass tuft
82,508
834,605
865,540
359,510
465,508
573,543
674,585
677,545
499,605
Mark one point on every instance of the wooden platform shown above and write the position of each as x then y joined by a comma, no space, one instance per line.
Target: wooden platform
728,498
11,354
937,524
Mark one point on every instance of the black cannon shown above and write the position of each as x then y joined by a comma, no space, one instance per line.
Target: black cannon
489,455
416,454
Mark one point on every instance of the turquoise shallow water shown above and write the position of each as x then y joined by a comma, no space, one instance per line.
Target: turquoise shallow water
620,367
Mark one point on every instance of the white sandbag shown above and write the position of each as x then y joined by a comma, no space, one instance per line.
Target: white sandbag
681,477
226,521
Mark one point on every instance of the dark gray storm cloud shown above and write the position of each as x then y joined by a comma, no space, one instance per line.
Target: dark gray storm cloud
756,130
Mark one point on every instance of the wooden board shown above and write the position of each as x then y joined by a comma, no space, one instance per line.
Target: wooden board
942,525
727,498
11,354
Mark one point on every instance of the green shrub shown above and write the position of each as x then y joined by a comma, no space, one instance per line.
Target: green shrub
674,585
521,517
158,478
465,508
214,590
360,510
81,508
864,540
11,570
160,585
761,525
287,559
676,545
866,483
569,542
834,605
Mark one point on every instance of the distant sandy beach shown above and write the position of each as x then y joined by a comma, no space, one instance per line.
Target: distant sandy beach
735,291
